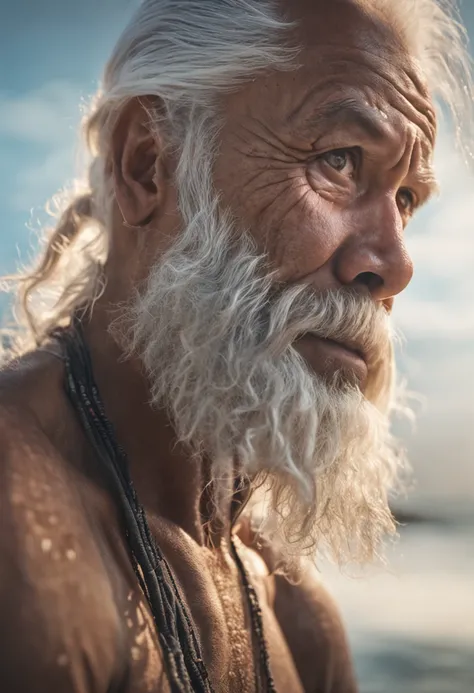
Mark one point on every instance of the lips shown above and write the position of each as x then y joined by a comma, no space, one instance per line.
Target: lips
352,346
328,357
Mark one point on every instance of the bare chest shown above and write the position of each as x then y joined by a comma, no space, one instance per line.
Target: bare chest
212,591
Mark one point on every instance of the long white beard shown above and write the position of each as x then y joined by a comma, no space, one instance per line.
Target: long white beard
216,337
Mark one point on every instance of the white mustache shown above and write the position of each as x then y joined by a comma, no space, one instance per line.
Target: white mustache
344,315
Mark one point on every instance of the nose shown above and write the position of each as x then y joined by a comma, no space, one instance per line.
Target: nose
374,255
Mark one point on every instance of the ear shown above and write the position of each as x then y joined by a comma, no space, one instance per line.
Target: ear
137,170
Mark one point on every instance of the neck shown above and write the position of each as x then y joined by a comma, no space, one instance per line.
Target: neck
170,482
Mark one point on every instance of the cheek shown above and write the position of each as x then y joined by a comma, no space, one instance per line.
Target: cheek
302,233
298,229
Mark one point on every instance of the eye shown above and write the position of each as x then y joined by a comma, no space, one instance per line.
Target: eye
343,161
407,200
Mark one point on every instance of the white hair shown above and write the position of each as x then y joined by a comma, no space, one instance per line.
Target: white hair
185,53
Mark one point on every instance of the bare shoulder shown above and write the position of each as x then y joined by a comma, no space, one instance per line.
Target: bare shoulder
31,388
310,621
315,633
53,584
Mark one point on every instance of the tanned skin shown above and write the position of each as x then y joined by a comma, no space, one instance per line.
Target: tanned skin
73,617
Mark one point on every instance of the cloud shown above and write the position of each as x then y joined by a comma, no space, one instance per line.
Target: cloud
40,181
41,116
45,125
441,243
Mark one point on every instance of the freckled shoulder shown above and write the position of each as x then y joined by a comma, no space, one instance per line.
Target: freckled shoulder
59,621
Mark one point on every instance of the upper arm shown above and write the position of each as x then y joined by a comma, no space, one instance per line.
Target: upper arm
57,616
313,628
40,653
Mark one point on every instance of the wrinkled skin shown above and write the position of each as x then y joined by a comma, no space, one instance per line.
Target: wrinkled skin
325,226
73,616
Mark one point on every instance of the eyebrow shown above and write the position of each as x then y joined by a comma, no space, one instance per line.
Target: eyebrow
349,112
429,182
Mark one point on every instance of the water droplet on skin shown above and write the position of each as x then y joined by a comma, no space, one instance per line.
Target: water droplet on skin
46,545
135,653
35,490
71,555
140,618
129,623
62,660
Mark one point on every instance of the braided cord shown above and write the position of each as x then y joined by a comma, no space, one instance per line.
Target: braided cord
185,665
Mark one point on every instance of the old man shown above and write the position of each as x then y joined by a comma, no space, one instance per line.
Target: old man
201,403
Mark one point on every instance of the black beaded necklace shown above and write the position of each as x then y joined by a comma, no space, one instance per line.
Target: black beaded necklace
185,666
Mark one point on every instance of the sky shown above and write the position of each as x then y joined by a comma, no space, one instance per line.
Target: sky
51,57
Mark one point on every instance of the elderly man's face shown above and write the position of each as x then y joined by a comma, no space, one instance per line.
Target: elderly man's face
323,166
326,165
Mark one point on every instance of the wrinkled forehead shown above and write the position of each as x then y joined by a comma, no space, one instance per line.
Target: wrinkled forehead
364,31
349,50
346,22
